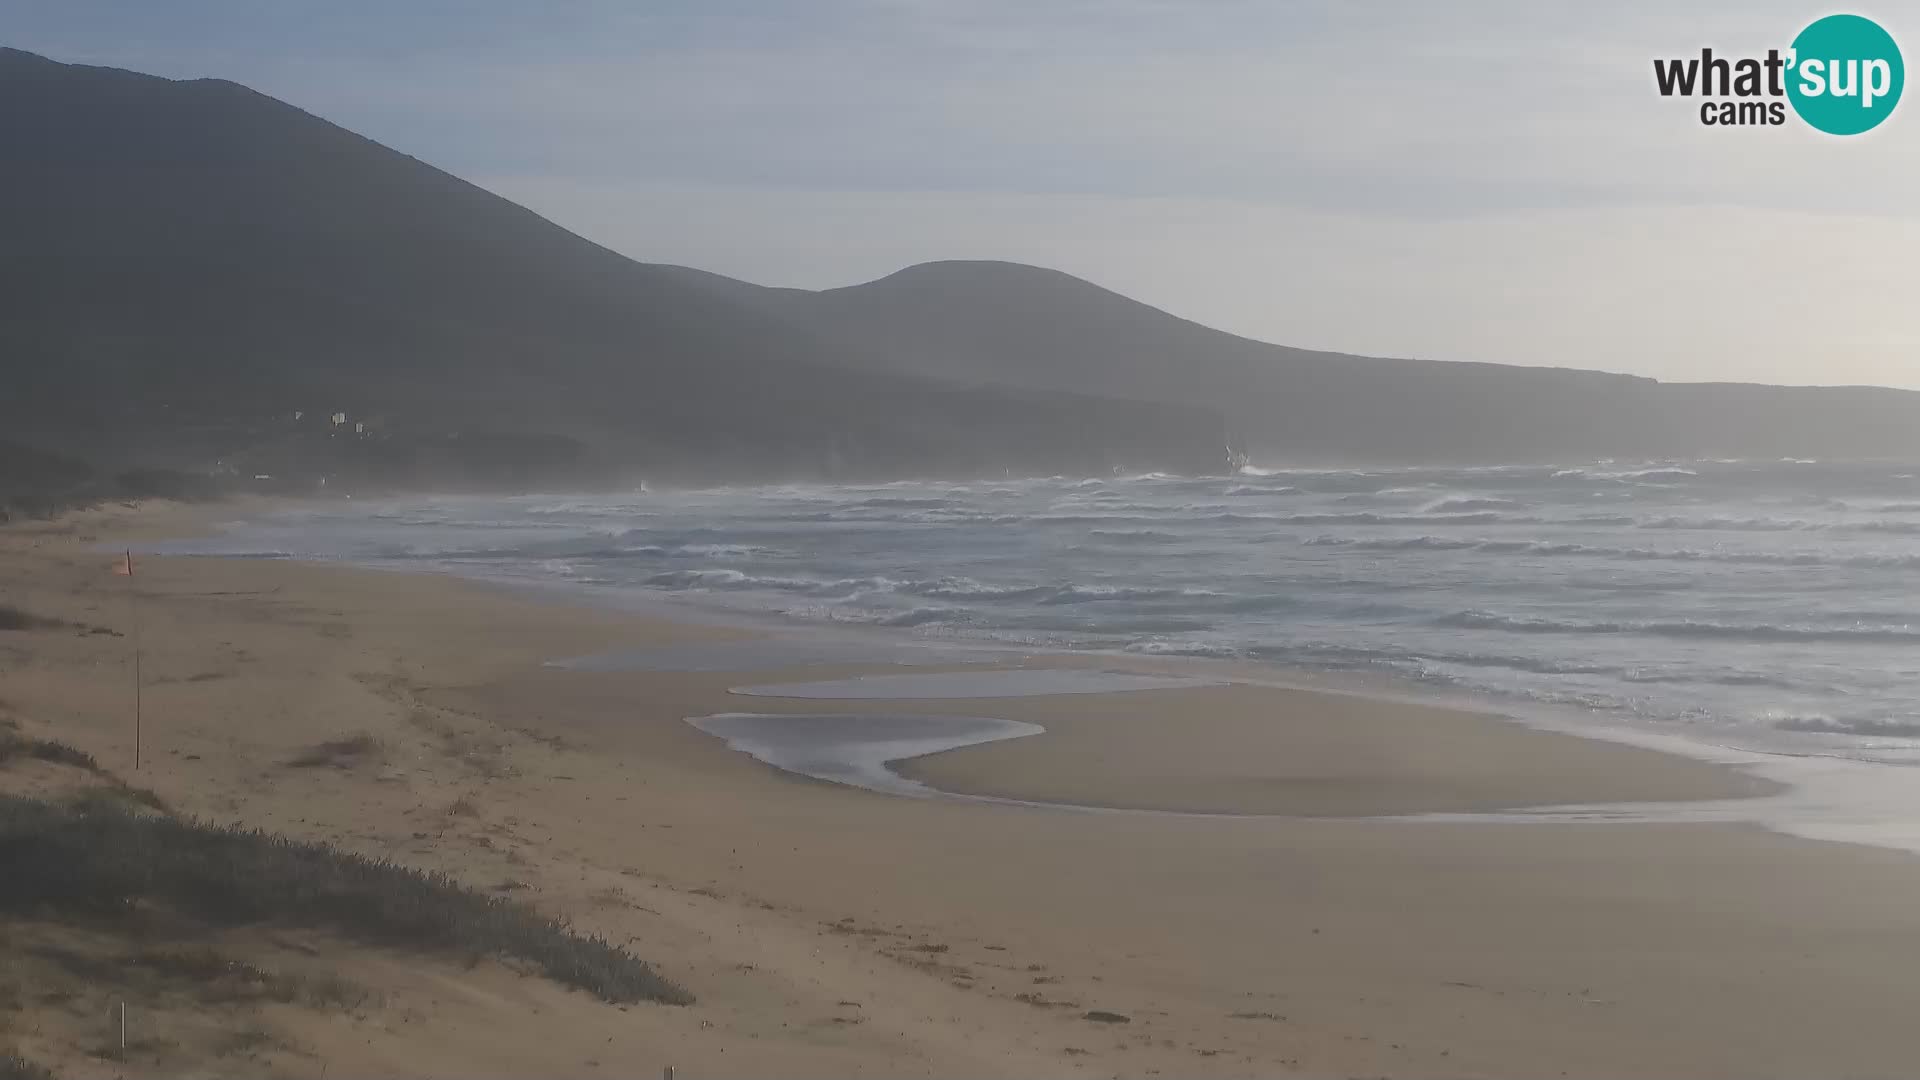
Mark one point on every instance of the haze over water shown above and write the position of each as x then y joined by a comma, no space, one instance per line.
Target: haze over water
1765,605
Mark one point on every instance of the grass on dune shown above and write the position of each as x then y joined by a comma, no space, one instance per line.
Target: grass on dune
341,753
12,746
15,1067
13,618
99,857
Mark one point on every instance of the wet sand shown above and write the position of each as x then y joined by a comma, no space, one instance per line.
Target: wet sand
835,931
1267,750
858,749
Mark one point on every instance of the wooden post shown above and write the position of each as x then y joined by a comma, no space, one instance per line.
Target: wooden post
134,602
136,694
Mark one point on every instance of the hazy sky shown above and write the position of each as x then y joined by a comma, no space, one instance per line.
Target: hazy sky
1463,181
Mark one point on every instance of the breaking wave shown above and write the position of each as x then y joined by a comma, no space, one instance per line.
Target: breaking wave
1887,561
1135,536
1827,725
1482,620
1454,506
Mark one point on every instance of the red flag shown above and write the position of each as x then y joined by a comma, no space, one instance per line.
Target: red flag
124,565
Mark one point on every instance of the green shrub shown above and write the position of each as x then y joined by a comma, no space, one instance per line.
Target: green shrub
15,1067
46,750
12,618
337,753
102,859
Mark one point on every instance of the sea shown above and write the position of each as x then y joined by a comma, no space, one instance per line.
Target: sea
1767,606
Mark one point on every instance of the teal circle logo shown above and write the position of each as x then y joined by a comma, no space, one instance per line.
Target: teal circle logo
1845,75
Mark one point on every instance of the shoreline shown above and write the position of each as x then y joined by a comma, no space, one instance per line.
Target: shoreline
1807,796
1072,723
1727,776
1770,753
832,931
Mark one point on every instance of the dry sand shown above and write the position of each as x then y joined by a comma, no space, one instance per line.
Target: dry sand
830,931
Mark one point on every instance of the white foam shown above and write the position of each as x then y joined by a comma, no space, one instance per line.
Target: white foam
855,749
764,654
1827,798
1019,682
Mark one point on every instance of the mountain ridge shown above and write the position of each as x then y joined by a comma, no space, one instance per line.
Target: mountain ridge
190,263
1010,324
931,265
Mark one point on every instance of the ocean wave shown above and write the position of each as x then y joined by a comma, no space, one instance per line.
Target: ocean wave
1867,561
958,517
1662,472
1134,536
1735,678
1401,543
1448,543
1443,667
1728,524
1537,665
1157,647
1822,724
1254,603
1258,489
1468,503
1383,519
1548,665
583,547
906,503
698,551
961,588
925,616
1086,594
1104,624
1762,632
1897,528
445,520
1128,518
1871,561
1099,505
584,508
737,580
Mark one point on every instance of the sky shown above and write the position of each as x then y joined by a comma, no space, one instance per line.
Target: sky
1474,181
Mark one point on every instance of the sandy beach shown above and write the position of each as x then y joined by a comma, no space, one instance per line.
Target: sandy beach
833,931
